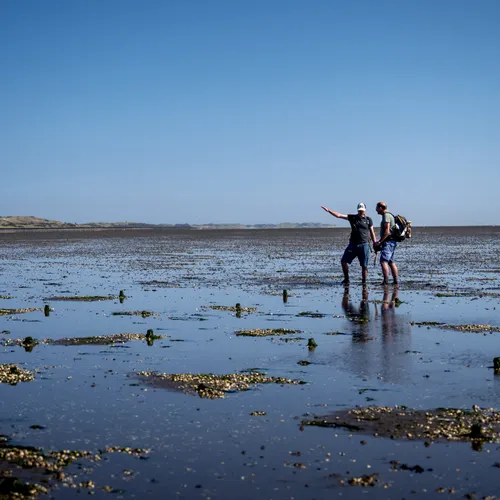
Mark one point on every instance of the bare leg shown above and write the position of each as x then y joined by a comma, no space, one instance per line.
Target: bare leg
345,269
385,270
394,271
364,274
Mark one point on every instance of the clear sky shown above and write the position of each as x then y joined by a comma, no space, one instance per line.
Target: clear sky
250,111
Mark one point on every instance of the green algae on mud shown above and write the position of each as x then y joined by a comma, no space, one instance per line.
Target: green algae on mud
211,385
117,338
84,298
12,374
286,340
441,424
474,328
310,314
144,314
231,308
363,481
471,328
191,317
257,332
426,323
6,312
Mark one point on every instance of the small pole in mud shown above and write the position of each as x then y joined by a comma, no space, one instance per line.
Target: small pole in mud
311,344
476,431
28,343
150,337
496,365
121,296
46,310
285,296
238,310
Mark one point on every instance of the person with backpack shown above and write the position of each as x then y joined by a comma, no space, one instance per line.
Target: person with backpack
386,245
359,241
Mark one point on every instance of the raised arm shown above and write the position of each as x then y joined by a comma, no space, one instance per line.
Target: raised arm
335,214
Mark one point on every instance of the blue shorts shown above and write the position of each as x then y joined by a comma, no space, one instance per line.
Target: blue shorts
362,252
387,252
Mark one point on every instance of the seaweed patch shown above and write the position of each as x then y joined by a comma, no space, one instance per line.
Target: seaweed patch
441,424
461,328
310,314
210,385
12,374
118,338
85,298
231,308
144,313
52,464
6,312
266,333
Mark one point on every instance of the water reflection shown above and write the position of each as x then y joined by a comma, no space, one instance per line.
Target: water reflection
392,324
359,316
381,340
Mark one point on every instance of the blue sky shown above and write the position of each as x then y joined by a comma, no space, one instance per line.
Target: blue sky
249,111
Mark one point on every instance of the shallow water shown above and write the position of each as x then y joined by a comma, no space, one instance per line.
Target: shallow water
369,352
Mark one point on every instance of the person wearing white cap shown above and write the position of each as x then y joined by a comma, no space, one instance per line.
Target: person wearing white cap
359,241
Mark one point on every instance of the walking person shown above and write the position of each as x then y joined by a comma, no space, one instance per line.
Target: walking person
359,241
386,245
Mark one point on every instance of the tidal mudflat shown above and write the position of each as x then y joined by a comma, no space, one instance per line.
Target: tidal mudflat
172,364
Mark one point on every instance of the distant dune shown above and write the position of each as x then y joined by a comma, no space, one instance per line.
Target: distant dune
31,222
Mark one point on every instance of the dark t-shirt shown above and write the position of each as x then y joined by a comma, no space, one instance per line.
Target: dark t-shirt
360,228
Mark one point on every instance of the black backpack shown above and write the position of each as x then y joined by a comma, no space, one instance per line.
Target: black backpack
401,229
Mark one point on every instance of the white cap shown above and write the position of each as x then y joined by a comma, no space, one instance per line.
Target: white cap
361,206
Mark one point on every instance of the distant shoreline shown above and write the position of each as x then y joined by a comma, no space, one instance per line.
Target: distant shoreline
201,227
31,223
161,228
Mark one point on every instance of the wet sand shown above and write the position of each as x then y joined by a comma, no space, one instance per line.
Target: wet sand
10,234
383,347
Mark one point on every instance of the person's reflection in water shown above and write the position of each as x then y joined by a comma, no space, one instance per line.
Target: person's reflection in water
381,341
359,316
390,324
396,339
359,357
